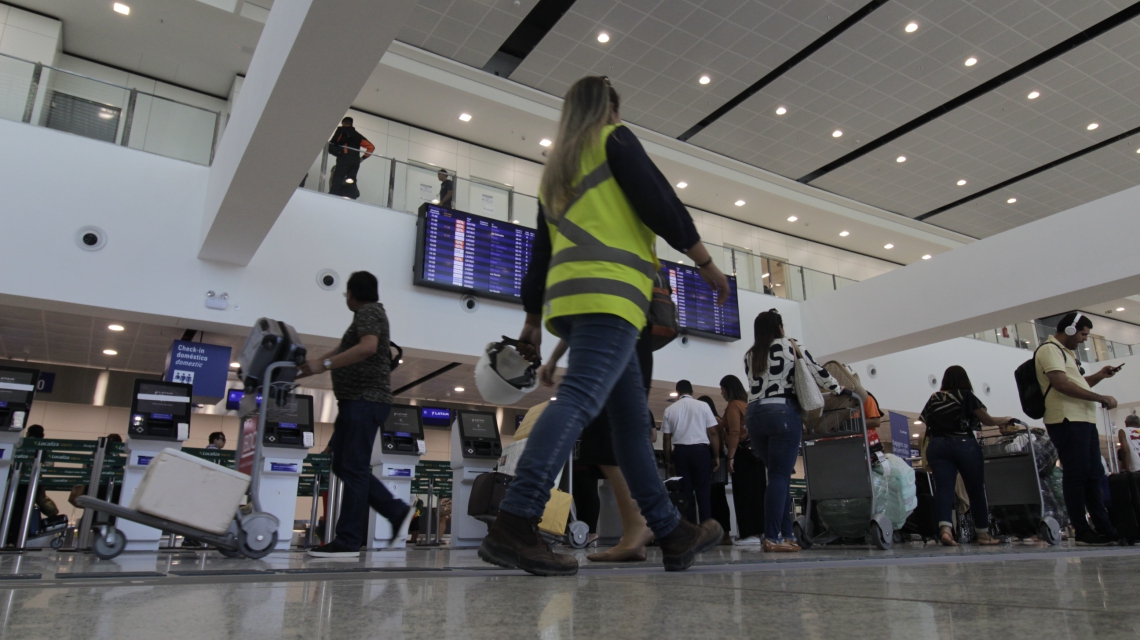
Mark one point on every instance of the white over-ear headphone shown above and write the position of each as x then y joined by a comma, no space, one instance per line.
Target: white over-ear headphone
1071,330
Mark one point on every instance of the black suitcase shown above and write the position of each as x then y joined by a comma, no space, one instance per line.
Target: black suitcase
487,492
1125,490
923,521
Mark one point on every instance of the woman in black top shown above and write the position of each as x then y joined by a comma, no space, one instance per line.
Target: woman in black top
951,416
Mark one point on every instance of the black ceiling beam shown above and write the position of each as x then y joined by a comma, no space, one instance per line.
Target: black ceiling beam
1056,51
1030,173
526,36
415,383
802,55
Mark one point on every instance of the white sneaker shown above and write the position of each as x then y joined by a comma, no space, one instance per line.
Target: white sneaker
750,541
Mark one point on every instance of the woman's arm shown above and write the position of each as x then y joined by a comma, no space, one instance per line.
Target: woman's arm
734,428
822,377
989,420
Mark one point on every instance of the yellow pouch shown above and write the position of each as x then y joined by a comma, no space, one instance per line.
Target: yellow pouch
557,513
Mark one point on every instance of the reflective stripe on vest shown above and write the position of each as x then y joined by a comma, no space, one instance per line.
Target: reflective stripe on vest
603,259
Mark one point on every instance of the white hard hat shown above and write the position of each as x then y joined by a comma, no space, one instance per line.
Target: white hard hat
502,375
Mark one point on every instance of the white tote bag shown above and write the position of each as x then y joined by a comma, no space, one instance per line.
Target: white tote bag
807,391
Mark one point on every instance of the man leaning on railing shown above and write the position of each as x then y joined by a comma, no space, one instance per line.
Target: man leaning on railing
345,146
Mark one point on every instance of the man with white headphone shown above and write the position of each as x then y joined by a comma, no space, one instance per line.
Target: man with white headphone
1070,417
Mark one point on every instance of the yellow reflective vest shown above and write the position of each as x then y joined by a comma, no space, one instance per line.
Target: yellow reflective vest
602,254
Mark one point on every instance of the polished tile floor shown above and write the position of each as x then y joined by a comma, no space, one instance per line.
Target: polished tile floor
913,591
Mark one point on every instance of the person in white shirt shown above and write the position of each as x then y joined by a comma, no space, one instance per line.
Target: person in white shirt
1130,443
686,426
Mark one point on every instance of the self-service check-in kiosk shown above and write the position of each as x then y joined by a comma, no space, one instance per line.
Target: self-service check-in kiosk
17,388
475,449
287,440
394,458
159,419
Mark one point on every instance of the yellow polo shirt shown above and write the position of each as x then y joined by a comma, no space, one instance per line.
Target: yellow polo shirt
1053,356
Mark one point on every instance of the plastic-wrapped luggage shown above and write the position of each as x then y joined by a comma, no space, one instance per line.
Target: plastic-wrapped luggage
895,495
902,493
1043,449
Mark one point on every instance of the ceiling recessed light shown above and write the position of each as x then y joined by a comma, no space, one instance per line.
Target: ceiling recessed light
781,111
1120,308
912,27
552,399
119,7
1033,95
792,218
115,327
682,184
1011,200
401,361
844,234
545,142
459,389
914,435
888,246
836,133
673,394
926,257
971,62
1092,126
777,285
918,422
739,203
466,117
512,222
110,352
603,37
705,80
900,159
765,275
961,183
235,365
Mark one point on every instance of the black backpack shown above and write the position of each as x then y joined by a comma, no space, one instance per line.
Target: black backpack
1029,390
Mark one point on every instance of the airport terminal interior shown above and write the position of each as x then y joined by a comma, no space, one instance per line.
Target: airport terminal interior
191,188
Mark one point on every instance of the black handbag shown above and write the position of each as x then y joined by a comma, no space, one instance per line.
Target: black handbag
487,492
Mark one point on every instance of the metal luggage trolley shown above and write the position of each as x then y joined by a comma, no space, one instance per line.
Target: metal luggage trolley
269,362
1013,490
838,466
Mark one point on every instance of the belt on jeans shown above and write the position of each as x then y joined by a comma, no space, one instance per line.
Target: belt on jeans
774,400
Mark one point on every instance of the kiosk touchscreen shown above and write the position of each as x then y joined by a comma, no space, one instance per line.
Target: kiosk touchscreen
160,410
17,388
290,425
479,435
402,430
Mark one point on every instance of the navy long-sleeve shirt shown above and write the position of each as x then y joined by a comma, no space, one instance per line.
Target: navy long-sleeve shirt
649,193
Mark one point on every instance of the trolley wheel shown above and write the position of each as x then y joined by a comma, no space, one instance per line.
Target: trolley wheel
1049,530
252,553
109,543
880,538
802,529
578,534
229,553
57,542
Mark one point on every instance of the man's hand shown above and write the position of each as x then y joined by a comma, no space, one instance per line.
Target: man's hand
712,274
1108,401
546,374
531,339
717,465
311,368
732,466
1107,371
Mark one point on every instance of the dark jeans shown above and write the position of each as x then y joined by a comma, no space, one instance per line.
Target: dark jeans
354,433
949,456
693,464
748,485
775,430
602,370
1078,447
343,171
720,511
587,502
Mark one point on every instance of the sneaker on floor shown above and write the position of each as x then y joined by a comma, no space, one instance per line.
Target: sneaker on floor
333,549
680,548
401,526
1090,538
514,542
750,541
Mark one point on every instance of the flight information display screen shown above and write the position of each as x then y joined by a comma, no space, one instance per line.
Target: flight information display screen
467,253
697,310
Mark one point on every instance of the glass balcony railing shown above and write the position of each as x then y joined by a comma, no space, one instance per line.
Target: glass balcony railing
1030,335
44,96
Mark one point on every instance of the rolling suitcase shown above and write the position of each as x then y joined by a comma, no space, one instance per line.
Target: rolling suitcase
1125,490
923,521
270,341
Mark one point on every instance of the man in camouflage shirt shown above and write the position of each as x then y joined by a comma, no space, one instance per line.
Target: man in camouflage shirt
361,368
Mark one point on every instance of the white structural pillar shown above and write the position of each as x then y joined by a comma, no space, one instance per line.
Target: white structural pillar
311,61
1080,257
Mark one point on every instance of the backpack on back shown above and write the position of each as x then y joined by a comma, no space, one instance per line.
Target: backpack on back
1029,389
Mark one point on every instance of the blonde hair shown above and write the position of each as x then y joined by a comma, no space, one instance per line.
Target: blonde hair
586,109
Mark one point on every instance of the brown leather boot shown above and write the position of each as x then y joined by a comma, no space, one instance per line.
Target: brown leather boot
515,543
681,546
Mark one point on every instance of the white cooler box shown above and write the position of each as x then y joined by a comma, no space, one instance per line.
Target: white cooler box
190,491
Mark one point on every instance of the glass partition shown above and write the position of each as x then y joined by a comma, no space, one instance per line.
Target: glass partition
44,96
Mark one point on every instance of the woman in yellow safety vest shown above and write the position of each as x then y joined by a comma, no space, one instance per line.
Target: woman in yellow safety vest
602,204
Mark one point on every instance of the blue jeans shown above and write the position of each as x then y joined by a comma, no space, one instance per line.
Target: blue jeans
949,456
775,431
602,371
1078,447
354,433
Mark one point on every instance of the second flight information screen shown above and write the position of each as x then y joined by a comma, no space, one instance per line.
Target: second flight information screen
697,309
464,252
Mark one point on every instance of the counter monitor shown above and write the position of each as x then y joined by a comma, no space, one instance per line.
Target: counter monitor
17,389
160,410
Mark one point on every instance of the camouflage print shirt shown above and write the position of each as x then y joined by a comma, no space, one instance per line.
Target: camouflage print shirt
369,379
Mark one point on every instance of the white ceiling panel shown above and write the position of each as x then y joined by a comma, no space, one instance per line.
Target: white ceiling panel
469,31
